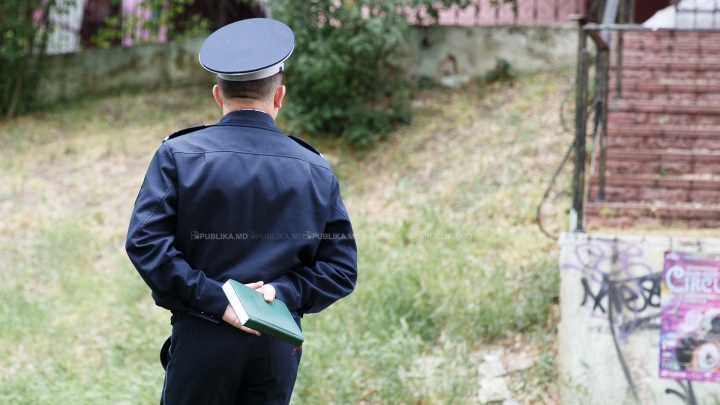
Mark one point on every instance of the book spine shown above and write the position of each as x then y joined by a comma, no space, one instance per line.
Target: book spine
235,303
260,327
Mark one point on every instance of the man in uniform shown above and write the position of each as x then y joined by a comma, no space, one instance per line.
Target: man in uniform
239,200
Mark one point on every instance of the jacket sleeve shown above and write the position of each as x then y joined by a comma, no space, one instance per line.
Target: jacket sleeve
333,274
150,245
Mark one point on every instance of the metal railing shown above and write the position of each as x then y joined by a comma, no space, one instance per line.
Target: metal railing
514,12
105,23
697,13
617,20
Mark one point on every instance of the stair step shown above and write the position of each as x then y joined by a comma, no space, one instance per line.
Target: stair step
666,131
657,188
664,76
628,214
681,43
713,87
641,112
695,91
637,57
708,92
662,162
674,97
702,48
660,107
671,81
665,156
662,137
700,82
656,71
663,65
673,48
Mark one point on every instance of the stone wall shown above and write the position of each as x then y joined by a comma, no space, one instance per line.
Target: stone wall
609,353
104,71
442,52
464,52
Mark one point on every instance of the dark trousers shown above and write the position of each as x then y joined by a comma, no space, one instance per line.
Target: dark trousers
218,364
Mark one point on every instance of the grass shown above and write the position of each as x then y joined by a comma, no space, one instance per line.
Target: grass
451,262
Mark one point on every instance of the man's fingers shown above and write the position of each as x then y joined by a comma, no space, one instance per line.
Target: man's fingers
268,295
268,292
248,330
232,319
236,323
255,285
229,315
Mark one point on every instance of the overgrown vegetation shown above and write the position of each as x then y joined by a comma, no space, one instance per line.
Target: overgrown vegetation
344,79
135,26
79,326
343,76
23,39
26,25
502,73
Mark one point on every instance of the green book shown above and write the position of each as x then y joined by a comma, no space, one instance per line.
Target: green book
254,312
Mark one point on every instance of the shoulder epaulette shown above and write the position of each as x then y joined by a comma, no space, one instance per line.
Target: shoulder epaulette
184,131
305,145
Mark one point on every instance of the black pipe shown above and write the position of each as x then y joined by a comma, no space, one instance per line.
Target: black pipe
603,83
580,127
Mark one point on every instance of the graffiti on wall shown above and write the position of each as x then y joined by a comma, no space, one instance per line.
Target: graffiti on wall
616,279
621,289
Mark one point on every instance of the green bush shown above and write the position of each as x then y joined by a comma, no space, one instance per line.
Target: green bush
342,79
22,47
25,29
502,73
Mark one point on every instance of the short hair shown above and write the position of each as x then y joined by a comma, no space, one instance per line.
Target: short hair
261,89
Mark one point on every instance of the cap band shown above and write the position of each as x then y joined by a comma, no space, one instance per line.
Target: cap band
260,74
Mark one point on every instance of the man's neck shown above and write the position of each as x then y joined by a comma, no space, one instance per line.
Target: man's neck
229,107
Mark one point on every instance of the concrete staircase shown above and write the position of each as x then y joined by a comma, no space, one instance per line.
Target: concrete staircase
663,138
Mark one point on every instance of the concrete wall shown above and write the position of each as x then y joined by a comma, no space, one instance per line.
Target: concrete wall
475,50
104,71
610,355
430,52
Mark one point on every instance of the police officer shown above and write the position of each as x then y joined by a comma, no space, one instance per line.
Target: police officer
239,200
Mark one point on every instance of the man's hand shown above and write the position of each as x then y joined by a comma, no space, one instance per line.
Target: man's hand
230,317
268,292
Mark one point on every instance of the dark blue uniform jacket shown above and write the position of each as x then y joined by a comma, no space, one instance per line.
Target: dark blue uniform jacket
240,200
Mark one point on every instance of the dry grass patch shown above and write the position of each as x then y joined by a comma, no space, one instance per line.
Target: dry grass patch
79,325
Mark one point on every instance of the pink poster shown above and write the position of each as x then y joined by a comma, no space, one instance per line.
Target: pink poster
690,317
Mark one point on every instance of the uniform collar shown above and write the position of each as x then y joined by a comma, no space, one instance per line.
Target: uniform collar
249,118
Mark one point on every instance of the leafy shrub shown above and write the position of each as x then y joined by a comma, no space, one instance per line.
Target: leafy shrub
503,73
342,79
23,37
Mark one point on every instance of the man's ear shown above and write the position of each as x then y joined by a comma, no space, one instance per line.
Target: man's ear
217,96
279,95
